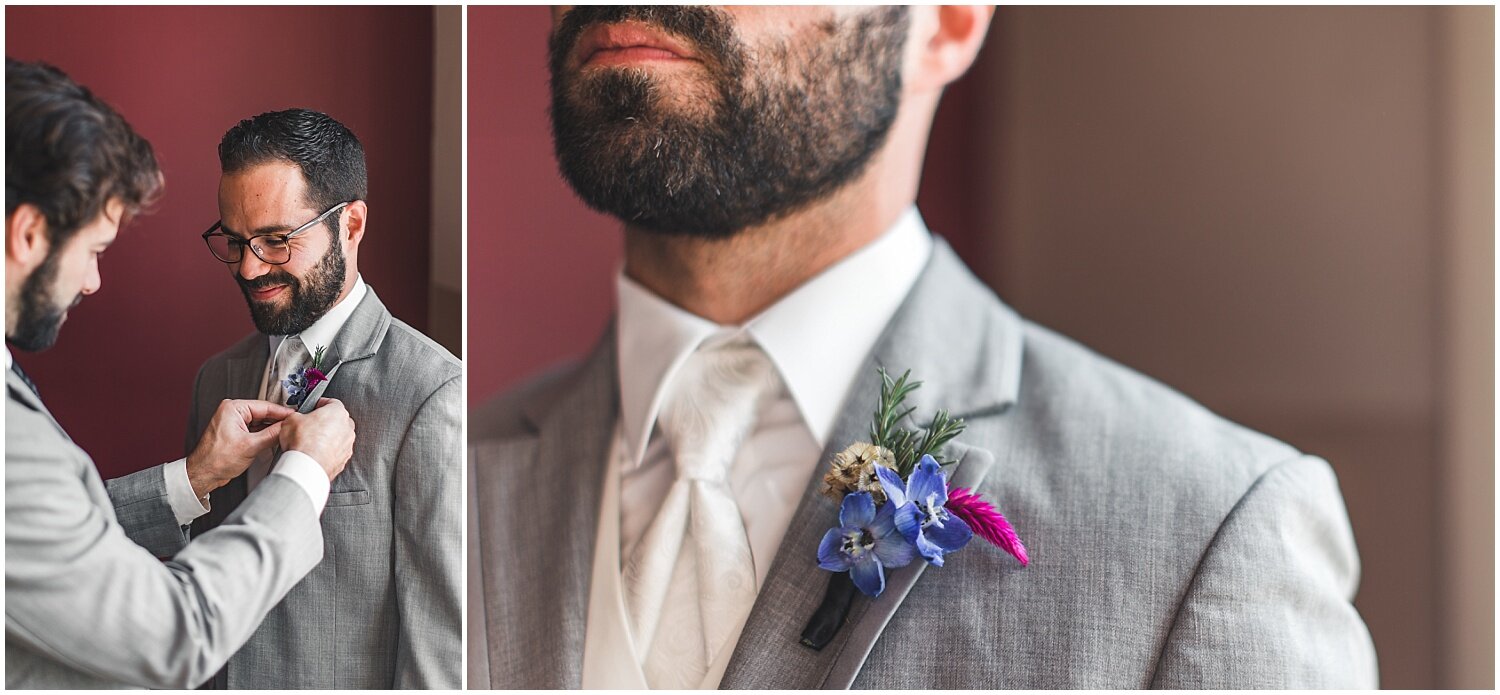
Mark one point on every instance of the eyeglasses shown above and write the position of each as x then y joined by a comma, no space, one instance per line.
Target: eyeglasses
274,249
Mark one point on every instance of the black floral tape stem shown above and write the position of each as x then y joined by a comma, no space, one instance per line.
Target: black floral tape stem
831,614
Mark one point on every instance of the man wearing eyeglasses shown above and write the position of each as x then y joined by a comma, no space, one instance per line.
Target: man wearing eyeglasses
383,608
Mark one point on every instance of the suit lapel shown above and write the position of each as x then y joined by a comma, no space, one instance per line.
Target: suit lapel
965,347
22,393
361,336
243,374
543,491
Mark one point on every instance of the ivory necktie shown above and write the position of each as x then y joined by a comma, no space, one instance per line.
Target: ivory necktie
291,356
690,580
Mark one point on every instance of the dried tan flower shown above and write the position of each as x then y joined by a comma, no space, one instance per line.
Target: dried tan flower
853,470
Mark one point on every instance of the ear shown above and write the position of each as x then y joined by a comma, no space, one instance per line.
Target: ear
26,238
354,222
945,40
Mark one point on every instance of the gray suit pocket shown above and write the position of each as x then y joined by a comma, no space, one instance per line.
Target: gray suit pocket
348,498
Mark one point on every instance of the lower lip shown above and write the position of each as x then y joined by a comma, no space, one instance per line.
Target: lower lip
262,295
633,55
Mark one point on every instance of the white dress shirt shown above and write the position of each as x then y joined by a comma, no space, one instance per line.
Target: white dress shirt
817,336
301,468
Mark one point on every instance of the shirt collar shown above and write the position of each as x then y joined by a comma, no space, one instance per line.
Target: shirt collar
817,336
326,328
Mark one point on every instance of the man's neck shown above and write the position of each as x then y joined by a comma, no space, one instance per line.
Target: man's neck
729,281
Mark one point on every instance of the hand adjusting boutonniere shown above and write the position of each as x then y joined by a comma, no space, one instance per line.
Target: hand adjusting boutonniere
303,380
896,508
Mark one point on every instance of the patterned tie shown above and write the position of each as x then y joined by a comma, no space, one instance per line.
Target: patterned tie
290,356
690,580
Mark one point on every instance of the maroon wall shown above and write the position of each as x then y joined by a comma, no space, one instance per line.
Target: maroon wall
541,265
121,375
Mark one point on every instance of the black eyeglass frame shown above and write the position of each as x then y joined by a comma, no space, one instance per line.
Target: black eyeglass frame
250,242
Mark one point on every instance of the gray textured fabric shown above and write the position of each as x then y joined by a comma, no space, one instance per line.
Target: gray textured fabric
383,610
87,608
142,507
1169,547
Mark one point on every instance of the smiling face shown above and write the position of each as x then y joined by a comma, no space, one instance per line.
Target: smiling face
62,279
271,198
706,121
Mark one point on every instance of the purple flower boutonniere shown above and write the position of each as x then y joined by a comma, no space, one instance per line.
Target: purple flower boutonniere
896,507
303,380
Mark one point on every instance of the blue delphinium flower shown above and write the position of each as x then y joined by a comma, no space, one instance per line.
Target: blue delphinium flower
865,543
295,384
920,512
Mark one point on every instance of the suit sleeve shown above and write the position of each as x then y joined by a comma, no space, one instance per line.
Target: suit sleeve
1271,605
81,593
144,511
428,544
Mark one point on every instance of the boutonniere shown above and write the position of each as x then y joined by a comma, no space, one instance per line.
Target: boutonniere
303,380
896,507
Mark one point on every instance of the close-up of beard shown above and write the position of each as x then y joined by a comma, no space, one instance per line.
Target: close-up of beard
787,124
311,296
41,317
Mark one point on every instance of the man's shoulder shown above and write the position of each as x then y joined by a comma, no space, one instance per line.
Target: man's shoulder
505,416
1102,420
417,356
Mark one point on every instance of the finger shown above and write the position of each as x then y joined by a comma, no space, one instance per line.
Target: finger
263,410
266,437
324,402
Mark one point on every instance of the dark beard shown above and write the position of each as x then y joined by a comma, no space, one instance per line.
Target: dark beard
791,129
40,319
312,296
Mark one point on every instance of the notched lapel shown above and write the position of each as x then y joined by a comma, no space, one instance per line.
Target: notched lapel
965,346
362,335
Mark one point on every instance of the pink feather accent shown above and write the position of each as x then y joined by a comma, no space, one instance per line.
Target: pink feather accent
986,521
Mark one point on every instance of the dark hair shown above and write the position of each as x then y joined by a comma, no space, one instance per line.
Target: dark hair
68,153
330,157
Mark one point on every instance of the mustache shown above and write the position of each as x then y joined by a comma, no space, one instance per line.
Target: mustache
272,278
709,30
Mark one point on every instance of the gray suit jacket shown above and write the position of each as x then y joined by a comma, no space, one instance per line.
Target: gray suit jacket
1169,547
383,609
87,608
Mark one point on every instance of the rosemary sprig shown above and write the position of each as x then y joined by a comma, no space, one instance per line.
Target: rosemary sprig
317,362
944,428
892,393
908,446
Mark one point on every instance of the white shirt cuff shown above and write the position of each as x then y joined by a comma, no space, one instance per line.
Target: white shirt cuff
186,506
307,474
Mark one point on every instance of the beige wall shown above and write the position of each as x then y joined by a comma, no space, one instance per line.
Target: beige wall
1273,209
1466,141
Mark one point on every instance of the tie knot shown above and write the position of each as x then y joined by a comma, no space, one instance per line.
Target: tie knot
712,405
293,355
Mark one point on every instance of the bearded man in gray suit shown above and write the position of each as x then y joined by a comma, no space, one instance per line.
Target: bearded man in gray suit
84,606
652,517
383,609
